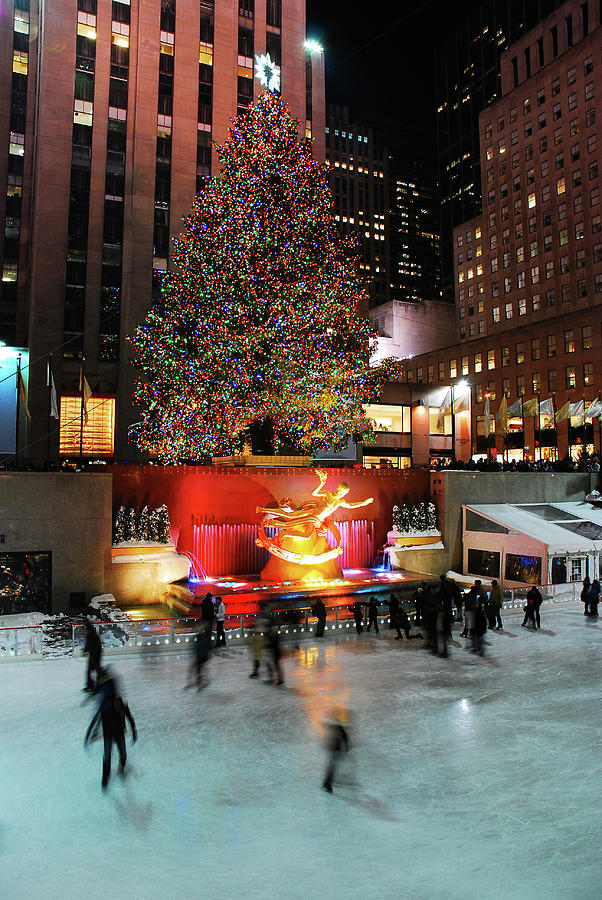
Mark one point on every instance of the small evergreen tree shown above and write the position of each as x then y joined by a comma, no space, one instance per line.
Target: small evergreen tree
130,525
143,525
405,520
432,516
119,526
163,525
396,518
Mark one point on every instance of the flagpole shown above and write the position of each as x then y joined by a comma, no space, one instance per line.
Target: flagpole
539,421
49,407
522,418
555,428
18,415
81,411
453,434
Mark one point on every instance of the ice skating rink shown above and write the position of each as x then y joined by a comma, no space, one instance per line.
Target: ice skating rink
469,777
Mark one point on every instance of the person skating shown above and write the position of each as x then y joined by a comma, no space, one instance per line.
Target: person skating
432,607
112,713
93,648
336,743
202,651
208,612
358,614
471,600
458,599
319,611
394,615
496,601
220,618
529,610
259,640
273,638
478,629
446,595
373,614
418,599
594,598
585,595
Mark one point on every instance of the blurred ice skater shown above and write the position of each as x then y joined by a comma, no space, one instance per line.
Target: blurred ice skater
373,614
336,743
112,714
201,650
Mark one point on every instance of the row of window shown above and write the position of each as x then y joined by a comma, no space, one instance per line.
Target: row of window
571,78
450,369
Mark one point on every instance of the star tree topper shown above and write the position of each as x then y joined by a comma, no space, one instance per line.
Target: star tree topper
267,72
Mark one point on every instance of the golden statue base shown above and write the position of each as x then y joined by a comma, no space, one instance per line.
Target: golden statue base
278,570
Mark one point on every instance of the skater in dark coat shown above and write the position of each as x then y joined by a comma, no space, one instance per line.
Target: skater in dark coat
319,612
273,638
585,595
93,648
394,615
208,612
529,611
432,607
593,598
479,627
337,742
446,595
112,714
373,614
358,614
202,651
458,599
537,601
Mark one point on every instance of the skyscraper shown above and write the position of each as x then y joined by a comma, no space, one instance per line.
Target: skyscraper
467,68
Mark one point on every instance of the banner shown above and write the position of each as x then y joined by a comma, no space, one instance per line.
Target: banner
577,410
502,416
54,406
530,407
23,393
594,409
86,393
515,409
444,409
461,403
486,420
546,407
564,412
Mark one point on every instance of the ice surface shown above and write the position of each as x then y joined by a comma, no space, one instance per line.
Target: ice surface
469,778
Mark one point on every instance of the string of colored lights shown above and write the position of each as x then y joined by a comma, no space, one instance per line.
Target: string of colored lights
260,322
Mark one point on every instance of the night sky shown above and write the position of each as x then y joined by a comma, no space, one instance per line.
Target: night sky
383,64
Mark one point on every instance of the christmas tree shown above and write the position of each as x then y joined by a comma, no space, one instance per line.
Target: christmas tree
130,529
258,333
432,516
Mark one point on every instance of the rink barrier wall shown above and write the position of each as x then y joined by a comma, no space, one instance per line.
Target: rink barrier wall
179,633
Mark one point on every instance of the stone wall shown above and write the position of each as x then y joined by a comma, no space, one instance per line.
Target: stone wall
66,514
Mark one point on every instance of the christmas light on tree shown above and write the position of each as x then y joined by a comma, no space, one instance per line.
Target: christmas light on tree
260,324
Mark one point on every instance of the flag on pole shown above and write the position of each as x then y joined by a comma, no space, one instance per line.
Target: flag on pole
530,407
564,412
502,416
54,406
594,409
445,408
461,403
23,393
86,393
577,410
486,420
515,409
546,407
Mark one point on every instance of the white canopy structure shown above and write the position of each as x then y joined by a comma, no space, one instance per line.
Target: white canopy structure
532,543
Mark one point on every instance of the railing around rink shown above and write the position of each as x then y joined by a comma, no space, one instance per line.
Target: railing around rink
25,640
178,633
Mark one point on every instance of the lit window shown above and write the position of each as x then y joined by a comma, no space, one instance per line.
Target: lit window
531,201
560,186
98,434
20,61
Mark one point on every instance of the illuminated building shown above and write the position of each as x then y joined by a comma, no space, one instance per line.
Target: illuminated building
107,116
528,270
467,72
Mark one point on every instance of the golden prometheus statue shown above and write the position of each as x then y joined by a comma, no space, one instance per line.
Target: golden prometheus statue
300,551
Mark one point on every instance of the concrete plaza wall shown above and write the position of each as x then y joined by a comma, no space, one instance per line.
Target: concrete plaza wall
66,514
